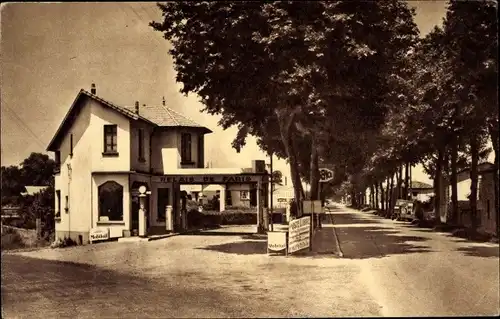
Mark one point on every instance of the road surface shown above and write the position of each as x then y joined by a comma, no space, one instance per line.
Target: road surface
388,269
412,271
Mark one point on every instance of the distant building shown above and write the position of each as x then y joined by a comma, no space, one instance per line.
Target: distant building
106,152
33,190
421,191
486,198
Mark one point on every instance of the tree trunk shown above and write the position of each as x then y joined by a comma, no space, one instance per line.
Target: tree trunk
377,200
407,180
285,121
393,194
387,195
400,183
314,167
437,186
354,202
372,198
494,134
474,150
382,197
454,180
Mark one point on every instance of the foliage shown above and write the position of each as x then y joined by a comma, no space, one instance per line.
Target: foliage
37,170
259,65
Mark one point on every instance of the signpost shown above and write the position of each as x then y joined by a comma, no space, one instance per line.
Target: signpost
276,242
312,207
299,236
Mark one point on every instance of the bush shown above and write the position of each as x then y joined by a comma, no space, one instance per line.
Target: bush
11,240
61,243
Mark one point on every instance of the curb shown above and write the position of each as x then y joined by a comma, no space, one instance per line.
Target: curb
337,242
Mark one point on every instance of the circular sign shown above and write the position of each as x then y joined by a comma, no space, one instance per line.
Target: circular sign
142,189
325,174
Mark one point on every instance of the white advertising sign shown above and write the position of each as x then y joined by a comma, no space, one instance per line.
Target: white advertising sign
276,241
97,234
299,234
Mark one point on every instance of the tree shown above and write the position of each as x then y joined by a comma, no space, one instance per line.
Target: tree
12,185
471,29
261,65
38,170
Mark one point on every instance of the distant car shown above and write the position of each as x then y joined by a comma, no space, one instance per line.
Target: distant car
403,210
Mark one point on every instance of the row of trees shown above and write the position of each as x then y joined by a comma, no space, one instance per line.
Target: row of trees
346,83
449,110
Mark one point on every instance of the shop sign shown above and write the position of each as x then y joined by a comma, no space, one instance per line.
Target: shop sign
207,179
97,234
276,241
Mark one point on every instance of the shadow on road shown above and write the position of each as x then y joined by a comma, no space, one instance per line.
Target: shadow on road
376,242
219,233
33,287
346,218
488,252
247,247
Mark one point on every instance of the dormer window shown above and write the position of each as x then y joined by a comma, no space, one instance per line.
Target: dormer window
186,149
110,140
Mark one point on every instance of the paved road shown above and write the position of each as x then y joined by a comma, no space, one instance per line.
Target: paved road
182,276
389,269
417,272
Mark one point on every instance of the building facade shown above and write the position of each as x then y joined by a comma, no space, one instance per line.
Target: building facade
105,152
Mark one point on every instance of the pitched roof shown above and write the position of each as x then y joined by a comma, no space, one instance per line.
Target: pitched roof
161,116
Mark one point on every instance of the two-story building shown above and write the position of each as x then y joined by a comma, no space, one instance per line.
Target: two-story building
106,152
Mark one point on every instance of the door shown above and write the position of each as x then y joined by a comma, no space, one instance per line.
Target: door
163,202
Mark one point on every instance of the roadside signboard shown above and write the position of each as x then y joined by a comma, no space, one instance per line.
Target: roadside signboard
312,207
276,241
325,175
299,236
97,234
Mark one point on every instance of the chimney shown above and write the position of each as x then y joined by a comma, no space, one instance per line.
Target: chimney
137,107
92,88
163,101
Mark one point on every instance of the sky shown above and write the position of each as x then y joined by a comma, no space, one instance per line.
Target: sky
52,50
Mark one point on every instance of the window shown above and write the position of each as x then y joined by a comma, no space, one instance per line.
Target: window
111,201
186,148
57,167
58,203
110,140
71,144
201,150
488,208
141,144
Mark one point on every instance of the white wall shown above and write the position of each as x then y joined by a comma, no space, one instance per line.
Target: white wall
77,217
135,163
101,116
166,154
